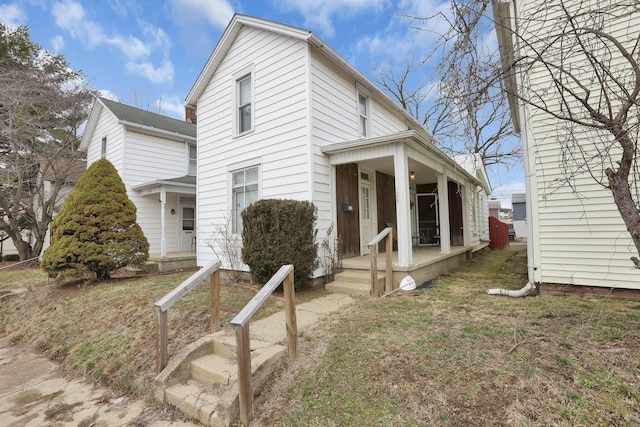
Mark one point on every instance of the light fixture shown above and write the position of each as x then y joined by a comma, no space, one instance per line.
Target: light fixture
412,176
173,211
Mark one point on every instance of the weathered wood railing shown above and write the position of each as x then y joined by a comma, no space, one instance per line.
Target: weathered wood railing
373,250
241,325
210,271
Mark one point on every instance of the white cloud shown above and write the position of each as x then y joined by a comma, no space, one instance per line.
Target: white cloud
171,106
318,14
105,93
503,193
70,16
217,12
158,75
12,15
57,43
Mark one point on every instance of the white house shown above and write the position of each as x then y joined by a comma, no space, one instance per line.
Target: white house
282,115
155,156
575,234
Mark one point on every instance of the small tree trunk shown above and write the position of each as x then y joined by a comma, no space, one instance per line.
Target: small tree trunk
627,208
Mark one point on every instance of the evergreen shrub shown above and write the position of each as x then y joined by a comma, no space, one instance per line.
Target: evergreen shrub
96,228
278,232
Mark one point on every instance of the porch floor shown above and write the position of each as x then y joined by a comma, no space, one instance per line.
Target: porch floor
422,257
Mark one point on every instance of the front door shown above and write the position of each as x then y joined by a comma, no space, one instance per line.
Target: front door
365,214
428,224
187,227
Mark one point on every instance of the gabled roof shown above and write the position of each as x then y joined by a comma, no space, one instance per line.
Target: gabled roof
137,118
239,21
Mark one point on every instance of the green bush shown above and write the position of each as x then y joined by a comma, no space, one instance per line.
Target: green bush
278,232
96,229
11,257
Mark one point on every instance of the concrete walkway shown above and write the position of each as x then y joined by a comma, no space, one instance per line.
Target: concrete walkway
34,391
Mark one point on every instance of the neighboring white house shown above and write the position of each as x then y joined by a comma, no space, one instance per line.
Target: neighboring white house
155,156
282,115
575,233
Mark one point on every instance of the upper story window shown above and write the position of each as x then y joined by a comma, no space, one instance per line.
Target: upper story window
103,148
193,159
244,100
363,114
244,184
244,105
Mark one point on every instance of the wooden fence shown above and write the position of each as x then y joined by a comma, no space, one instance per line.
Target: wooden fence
498,233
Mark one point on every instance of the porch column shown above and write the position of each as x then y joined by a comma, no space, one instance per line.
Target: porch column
403,213
443,211
163,239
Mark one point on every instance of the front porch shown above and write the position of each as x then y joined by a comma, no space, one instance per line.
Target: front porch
428,263
173,261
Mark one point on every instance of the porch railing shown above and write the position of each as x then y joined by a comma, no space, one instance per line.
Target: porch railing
241,324
373,251
212,272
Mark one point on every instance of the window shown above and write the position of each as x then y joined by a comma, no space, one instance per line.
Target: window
103,149
474,208
363,114
244,192
193,159
244,97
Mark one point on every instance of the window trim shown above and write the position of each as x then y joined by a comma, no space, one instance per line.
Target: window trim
234,226
237,78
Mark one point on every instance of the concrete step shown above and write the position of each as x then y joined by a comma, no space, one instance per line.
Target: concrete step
348,288
201,402
354,282
214,369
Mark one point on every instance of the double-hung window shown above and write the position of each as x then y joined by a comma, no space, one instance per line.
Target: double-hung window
245,118
364,111
193,159
244,192
103,148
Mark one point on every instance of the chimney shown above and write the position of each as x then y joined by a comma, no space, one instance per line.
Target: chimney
191,115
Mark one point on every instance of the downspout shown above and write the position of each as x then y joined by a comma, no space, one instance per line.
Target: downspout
529,288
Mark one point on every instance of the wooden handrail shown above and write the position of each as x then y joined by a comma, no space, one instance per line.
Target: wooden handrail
373,251
212,272
243,348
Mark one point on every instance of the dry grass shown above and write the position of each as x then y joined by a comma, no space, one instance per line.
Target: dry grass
450,355
453,355
107,330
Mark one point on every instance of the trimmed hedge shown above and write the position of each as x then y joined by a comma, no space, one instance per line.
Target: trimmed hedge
277,232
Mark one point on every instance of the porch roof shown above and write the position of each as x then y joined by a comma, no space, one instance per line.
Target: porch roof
182,184
412,138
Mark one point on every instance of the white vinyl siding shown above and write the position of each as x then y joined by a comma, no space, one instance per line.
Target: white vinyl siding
144,153
107,127
280,134
579,236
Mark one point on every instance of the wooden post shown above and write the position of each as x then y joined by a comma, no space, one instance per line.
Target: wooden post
374,270
388,281
243,350
162,355
290,311
214,301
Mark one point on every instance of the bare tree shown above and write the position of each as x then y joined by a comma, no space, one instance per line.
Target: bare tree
461,104
579,61
42,104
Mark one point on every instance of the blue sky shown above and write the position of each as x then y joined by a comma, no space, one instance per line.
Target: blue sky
149,53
